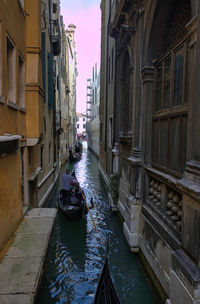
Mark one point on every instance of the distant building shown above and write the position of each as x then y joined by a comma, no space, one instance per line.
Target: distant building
67,90
93,100
80,126
72,75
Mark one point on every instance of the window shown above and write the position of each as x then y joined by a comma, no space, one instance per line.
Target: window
112,64
41,157
29,156
101,132
77,126
125,114
83,126
109,69
49,153
11,71
110,132
44,63
54,153
95,95
21,82
170,112
54,8
83,119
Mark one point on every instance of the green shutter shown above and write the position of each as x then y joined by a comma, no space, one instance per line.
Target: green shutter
44,63
50,82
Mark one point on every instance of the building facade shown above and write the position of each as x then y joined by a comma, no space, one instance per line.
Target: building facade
12,117
68,90
148,121
93,99
80,126
73,73
33,98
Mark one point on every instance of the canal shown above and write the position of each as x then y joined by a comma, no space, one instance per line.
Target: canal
76,251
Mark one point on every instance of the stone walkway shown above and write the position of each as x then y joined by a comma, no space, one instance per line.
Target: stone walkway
21,268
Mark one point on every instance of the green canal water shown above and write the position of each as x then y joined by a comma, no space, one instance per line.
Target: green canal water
76,251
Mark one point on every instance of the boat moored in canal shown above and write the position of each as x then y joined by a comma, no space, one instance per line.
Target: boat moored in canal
106,292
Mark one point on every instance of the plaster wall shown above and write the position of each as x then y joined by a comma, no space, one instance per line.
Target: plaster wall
10,196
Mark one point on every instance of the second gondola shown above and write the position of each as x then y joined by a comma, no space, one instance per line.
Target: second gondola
106,292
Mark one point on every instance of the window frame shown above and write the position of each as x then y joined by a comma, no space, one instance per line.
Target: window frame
21,86
178,112
13,99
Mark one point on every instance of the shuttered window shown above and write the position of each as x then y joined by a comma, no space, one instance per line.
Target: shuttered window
50,82
44,63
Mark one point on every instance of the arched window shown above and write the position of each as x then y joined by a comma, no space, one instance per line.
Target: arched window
170,108
125,96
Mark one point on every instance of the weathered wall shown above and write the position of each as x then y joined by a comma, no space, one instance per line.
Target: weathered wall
159,204
10,196
12,118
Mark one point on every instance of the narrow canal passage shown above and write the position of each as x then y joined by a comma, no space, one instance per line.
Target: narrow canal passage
76,252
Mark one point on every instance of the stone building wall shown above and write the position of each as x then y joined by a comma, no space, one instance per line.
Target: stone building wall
155,118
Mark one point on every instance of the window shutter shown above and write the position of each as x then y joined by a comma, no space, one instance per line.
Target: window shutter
50,82
44,63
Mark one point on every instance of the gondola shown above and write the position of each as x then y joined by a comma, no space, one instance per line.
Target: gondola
76,208
106,293
74,157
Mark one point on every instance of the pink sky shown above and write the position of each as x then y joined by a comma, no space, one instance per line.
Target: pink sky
87,38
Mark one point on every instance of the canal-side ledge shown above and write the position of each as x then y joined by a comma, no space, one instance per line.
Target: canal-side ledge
21,268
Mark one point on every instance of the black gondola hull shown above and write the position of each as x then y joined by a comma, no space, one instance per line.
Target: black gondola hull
72,212
106,293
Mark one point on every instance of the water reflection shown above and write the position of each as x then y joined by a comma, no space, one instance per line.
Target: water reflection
76,252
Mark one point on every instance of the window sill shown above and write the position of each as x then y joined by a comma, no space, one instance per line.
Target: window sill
12,105
2,99
22,109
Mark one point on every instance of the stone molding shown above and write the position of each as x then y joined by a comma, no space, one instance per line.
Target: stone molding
147,73
136,157
181,262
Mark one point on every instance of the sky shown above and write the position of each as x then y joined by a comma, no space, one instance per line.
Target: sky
86,15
